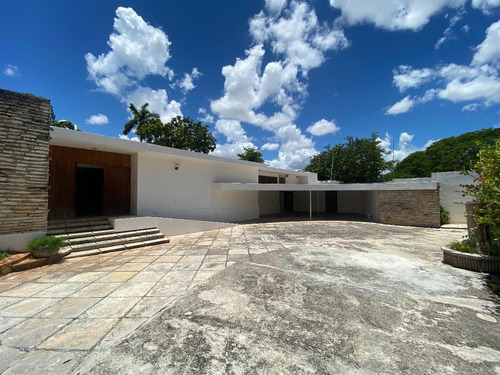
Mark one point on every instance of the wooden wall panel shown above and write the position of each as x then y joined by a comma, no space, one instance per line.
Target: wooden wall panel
62,180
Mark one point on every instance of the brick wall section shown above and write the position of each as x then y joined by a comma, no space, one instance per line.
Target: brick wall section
409,207
24,162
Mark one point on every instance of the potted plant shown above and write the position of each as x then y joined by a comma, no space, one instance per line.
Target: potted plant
45,246
481,251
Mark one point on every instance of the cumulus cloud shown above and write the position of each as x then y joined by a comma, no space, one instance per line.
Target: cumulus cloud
186,84
236,138
405,77
403,106
488,52
478,82
270,95
11,70
403,148
392,14
270,146
205,116
98,119
158,102
137,50
323,127
126,137
485,5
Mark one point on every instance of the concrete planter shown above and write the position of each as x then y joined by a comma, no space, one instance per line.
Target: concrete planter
471,262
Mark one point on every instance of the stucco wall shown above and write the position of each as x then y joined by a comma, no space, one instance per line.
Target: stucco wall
415,207
187,193
269,202
24,164
450,194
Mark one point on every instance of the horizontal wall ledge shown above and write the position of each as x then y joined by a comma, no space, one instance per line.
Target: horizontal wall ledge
387,186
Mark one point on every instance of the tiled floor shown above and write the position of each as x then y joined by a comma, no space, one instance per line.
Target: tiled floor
62,311
54,316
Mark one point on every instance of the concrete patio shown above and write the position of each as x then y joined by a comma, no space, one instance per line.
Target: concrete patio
289,297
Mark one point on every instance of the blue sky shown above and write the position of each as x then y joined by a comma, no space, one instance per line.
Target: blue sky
288,77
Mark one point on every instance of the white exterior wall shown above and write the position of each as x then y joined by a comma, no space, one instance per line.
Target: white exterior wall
269,202
450,194
358,202
187,193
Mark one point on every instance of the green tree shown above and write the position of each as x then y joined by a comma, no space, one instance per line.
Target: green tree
251,154
180,132
448,154
140,117
66,124
356,161
486,191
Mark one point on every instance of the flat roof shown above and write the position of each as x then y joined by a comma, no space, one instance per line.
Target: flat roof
418,185
90,141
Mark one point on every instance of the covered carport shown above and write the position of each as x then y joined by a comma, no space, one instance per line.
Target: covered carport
402,203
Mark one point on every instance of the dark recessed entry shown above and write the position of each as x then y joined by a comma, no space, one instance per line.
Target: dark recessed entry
331,201
288,201
89,190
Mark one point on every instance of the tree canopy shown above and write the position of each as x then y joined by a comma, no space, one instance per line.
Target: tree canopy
180,132
251,154
356,161
448,154
66,124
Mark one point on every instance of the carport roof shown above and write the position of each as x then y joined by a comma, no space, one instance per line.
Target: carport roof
417,185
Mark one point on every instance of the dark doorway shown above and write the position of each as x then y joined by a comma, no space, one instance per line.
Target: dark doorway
331,201
89,190
288,201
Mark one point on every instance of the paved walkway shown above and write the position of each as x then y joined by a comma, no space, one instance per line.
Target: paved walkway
59,317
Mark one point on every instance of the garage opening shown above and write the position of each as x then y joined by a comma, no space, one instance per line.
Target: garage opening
331,201
89,190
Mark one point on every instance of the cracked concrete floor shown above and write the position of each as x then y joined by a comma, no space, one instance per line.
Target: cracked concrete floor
296,297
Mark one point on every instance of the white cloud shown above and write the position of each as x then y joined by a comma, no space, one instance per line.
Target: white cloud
392,14
187,83
470,107
275,6
236,138
485,5
297,35
206,117
466,28
323,127
98,119
137,50
158,102
488,52
404,147
448,33
478,81
403,106
270,146
126,137
11,70
405,77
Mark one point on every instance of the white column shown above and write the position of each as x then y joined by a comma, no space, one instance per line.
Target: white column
310,205
317,196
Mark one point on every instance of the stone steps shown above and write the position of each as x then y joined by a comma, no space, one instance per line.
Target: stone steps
90,236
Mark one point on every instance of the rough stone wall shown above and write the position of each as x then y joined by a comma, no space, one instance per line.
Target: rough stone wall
24,162
409,207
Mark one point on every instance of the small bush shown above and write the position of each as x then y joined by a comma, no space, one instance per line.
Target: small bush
464,247
52,243
444,215
4,254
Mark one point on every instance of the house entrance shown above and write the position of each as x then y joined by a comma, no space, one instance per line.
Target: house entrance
288,201
331,201
89,190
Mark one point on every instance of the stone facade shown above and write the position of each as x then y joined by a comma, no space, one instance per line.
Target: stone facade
24,162
409,207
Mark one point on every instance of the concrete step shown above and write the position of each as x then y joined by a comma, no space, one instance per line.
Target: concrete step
84,237
79,229
132,245
96,244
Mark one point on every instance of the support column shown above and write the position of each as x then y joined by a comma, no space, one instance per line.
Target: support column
310,205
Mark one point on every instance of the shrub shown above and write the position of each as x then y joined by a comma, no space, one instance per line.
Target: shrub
464,247
4,254
52,243
444,215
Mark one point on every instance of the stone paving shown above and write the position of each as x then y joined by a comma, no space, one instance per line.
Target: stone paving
57,315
